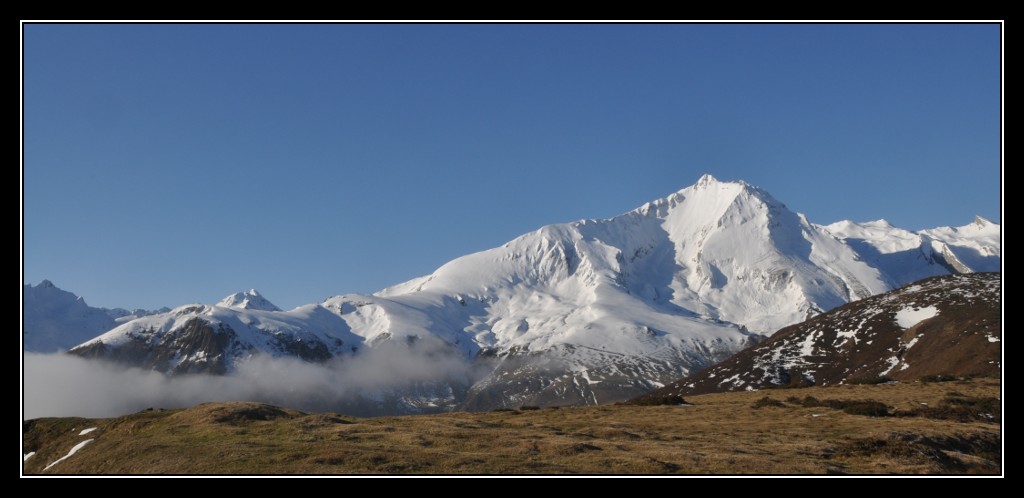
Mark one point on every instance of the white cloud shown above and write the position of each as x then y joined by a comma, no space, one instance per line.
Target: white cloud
66,385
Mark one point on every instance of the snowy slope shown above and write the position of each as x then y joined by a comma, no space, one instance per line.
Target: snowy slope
583,312
901,255
976,245
906,256
55,319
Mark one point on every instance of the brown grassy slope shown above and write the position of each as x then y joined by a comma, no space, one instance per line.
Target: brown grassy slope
722,433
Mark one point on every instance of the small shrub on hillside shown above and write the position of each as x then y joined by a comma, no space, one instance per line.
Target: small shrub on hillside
938,378
960,409
866,408
869,380
672,400
766,401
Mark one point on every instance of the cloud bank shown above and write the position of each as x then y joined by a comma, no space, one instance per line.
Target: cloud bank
381,381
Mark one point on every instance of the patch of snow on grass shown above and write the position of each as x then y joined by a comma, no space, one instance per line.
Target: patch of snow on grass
72,452
846,336
86,431
893,361
908,317
913,341
807,347
734,380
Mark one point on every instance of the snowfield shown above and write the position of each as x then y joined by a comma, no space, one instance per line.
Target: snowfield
909,316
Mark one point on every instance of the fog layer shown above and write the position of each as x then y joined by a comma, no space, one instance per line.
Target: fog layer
66,385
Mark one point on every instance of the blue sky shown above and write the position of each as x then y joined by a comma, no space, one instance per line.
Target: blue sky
166,164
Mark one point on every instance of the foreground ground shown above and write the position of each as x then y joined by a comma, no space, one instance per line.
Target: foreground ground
951,430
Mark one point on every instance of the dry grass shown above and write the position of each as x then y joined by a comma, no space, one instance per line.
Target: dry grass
721,433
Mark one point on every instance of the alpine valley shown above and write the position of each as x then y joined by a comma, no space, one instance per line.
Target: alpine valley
587,312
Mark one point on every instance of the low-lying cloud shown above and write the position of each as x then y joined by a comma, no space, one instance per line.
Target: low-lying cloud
379,381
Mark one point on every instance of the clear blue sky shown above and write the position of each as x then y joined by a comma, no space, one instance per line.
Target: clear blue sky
166,164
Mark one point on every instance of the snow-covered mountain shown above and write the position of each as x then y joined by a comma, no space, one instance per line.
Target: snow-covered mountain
198,338
583,312
975,246
55,319
905,256
248,300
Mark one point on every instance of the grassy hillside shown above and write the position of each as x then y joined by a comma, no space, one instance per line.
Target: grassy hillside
941,427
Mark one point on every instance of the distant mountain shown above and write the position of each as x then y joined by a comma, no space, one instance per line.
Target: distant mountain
905,256
121,315
198,338
55,319
975,246
248,300
583,312
946,325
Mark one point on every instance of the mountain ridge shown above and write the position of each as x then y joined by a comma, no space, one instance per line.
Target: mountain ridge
54,319
596,310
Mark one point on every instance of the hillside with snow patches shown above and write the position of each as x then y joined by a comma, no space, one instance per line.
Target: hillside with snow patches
584,312
939,326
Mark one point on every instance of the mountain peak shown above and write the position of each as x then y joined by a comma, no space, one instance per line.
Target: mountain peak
249,300
46,284
979,221
879,223
709,182
708,199
705,180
